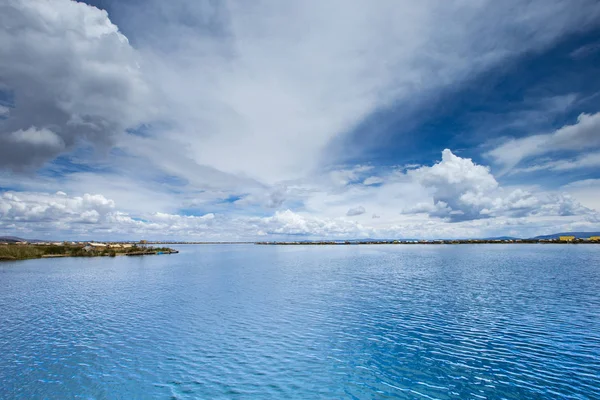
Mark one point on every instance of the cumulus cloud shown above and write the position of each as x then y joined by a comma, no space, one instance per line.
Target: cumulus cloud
356,211
463,190
94,214
583,135
160,224
37,208
452,198
72,76
59,215
290,223
460,187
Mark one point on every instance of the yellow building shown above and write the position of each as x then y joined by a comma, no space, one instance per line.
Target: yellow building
566,238
594,238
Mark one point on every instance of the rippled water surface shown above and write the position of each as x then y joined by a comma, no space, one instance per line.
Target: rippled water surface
363,322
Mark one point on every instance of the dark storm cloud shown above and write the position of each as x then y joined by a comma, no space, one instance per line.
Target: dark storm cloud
70,76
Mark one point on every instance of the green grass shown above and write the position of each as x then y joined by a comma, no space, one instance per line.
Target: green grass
19,252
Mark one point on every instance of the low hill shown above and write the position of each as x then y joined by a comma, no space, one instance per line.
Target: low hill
11,239
15,239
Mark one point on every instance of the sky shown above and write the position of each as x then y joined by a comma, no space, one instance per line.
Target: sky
267,120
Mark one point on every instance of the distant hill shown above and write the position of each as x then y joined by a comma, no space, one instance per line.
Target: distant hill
578,235
14,239
502,238
11,239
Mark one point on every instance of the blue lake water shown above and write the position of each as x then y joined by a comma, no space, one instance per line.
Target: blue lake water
282,322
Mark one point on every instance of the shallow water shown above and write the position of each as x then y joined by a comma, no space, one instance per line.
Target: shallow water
364,322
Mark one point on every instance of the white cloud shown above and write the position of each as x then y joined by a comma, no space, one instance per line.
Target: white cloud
356,211
583,135
343,177
463,190
39,208
264,89
460,187
373,180
59,215
290,223
453,198
588,160
253,101
586,191
33,137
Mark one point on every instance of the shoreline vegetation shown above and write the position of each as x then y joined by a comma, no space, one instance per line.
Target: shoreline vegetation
27,251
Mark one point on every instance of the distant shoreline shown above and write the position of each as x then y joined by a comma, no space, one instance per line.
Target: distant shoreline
429,242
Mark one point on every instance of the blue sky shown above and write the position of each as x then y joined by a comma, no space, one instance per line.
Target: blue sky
239,121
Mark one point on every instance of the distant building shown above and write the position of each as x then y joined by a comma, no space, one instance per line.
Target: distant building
594,238
566,238
93,244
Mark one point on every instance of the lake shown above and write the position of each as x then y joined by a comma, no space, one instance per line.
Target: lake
283,322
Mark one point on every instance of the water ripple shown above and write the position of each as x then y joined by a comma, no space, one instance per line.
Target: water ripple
358,322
